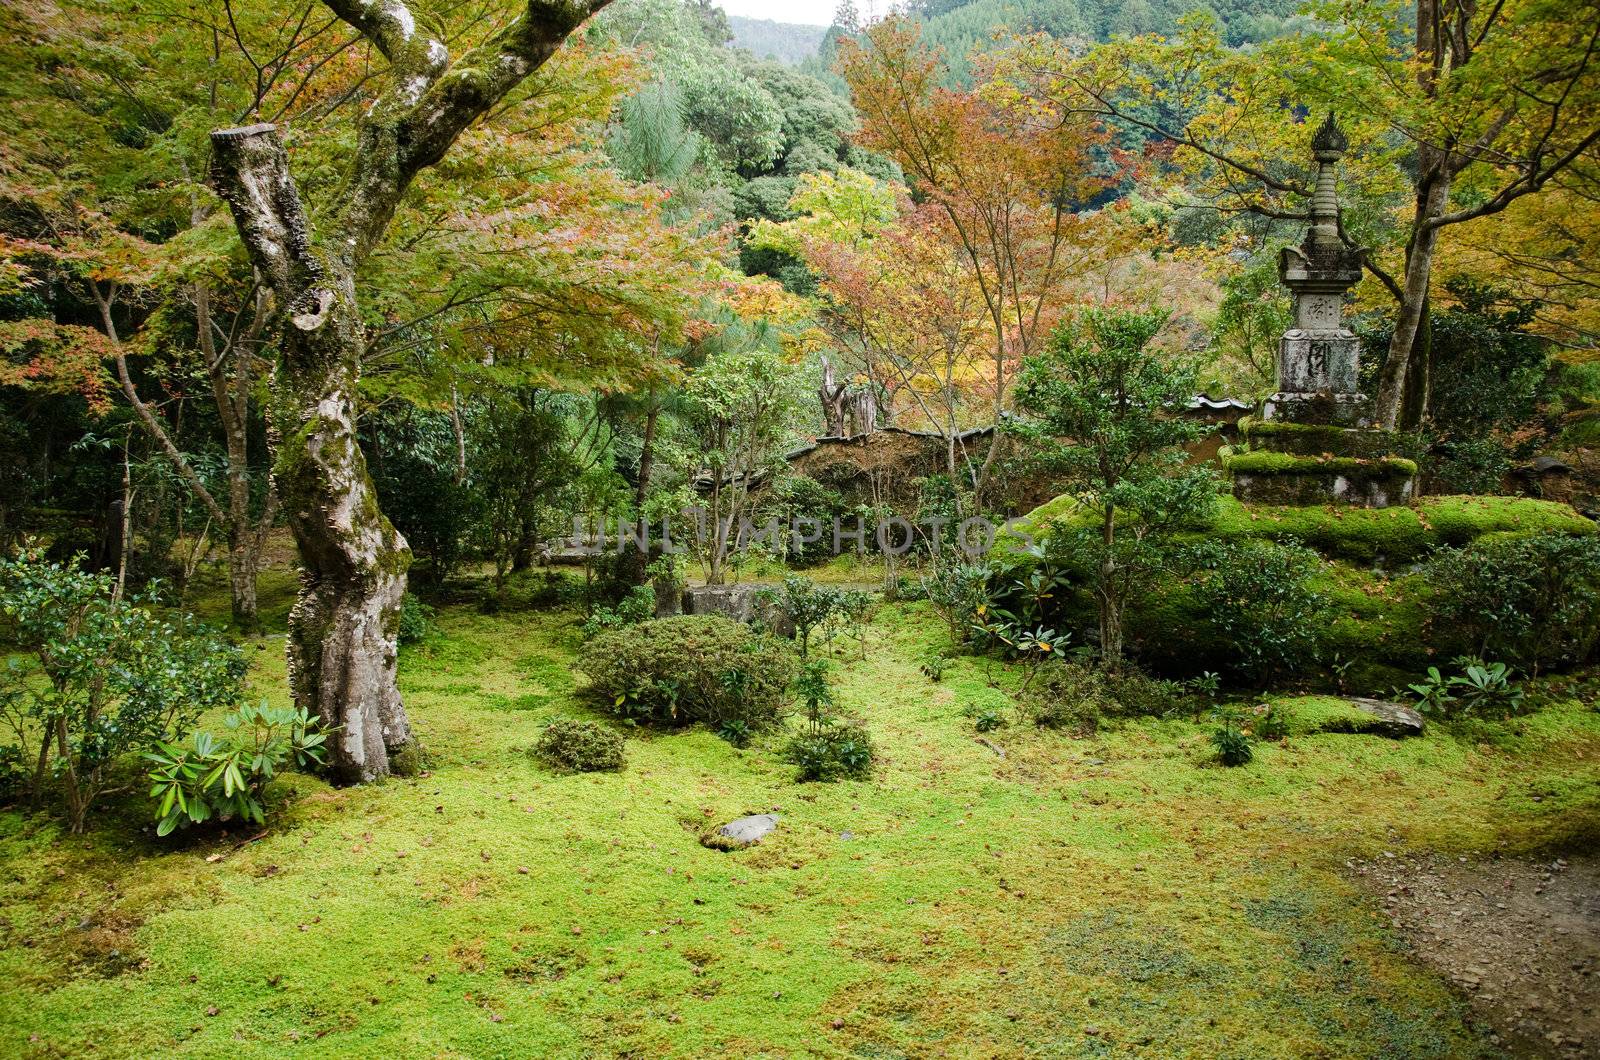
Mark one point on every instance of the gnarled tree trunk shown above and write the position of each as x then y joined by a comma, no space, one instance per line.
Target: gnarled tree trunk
342,630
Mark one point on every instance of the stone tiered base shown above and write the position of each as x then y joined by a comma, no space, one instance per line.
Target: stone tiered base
1305,463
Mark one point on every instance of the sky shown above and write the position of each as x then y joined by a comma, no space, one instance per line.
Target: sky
810,12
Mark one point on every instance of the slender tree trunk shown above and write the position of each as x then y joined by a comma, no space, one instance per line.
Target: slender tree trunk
230,391
633,561
1431,199
125,534
1433,195
1110,598
460,430
1419,379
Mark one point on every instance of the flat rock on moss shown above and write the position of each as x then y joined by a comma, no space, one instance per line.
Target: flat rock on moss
1389,719
742,832
1353,714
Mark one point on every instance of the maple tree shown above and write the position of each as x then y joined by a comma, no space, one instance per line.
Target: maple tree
523,261
1005,184
894,298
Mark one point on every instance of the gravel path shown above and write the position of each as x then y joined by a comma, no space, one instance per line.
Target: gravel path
1520,938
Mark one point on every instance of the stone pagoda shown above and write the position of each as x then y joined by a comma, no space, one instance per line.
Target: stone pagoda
1313,443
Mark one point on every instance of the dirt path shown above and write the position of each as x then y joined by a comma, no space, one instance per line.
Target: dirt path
1520,938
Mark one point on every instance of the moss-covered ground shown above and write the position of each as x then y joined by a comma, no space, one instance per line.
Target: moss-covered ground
1113,896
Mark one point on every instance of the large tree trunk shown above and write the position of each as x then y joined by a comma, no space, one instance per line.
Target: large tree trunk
342,630
343,627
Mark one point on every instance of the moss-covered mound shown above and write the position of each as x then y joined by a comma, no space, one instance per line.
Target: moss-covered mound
1379,635
1400,534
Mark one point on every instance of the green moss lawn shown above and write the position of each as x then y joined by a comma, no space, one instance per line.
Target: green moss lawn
1120,895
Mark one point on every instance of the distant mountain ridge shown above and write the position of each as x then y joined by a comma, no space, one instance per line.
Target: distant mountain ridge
787,42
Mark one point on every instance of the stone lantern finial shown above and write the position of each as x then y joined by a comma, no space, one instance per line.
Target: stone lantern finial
1330,143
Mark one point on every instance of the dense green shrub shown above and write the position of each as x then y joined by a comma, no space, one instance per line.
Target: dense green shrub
1532,601
579,746
101,677
221,778
1068,696
1258,598
416,620
639,605
690,668
841,751
411,454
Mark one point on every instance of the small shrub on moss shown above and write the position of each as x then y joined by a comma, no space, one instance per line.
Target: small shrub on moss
805,606
933,665
1133,694
834,752
1272,720
988,719
579,746
1481,690
1067,696
687,669
1230,738
957,591
209,777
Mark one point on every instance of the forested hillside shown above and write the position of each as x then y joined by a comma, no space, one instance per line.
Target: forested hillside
787,42
959,26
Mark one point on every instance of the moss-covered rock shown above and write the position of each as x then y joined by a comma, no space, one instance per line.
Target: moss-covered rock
1307,715
1319,439
1272,463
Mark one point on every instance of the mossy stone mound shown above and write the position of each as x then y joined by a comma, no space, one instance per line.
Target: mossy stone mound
1397,535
